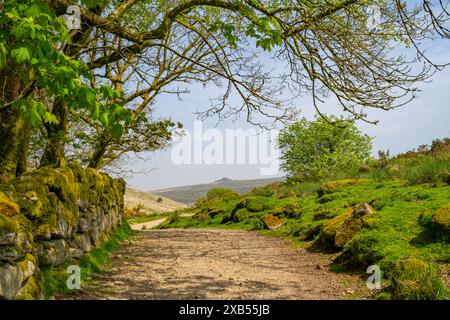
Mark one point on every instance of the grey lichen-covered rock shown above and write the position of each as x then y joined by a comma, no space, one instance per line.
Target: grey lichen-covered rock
83,242
52,253
83,204
10,280
7,239
338,231
76,253
12,276
84,225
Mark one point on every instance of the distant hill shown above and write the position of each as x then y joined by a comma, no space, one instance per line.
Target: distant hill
152,203
189,194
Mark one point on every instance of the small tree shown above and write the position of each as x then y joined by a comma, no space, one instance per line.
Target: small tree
314,150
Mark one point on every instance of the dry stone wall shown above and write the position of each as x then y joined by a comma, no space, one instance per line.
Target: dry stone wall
50,215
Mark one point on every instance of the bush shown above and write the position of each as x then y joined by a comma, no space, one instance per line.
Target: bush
217,194
266,191
213,211
414,279
316,150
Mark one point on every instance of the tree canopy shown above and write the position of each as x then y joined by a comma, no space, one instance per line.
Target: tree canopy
106,77
315,150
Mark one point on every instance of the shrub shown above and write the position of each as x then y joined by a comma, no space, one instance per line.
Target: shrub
213,211
414,279
266,191
217,194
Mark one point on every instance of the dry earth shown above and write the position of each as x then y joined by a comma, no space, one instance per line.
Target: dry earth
218,264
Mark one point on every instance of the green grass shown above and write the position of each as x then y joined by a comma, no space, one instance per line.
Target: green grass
55,277
143,219
416,280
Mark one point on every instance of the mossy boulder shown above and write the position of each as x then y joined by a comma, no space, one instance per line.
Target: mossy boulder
341,229
440,222
271,222
9,229
324,214
290,210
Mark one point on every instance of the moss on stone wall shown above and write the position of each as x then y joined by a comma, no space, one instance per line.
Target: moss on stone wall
50,215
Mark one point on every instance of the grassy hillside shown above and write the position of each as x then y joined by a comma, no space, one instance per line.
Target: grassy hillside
189,194
394,213
151,203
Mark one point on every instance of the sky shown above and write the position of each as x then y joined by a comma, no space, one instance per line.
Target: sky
420,122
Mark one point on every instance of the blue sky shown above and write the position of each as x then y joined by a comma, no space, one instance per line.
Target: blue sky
421,121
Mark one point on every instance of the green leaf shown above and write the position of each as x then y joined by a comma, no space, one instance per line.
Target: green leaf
33,11
21,55
104,119
95,112
118,131
50,118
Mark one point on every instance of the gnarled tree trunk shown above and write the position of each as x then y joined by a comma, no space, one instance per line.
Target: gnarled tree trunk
14,132
54,150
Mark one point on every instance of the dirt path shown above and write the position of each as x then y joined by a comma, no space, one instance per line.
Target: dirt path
147,225
217,264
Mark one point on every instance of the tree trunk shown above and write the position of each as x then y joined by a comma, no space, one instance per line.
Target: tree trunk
99,152
12,129
54,150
